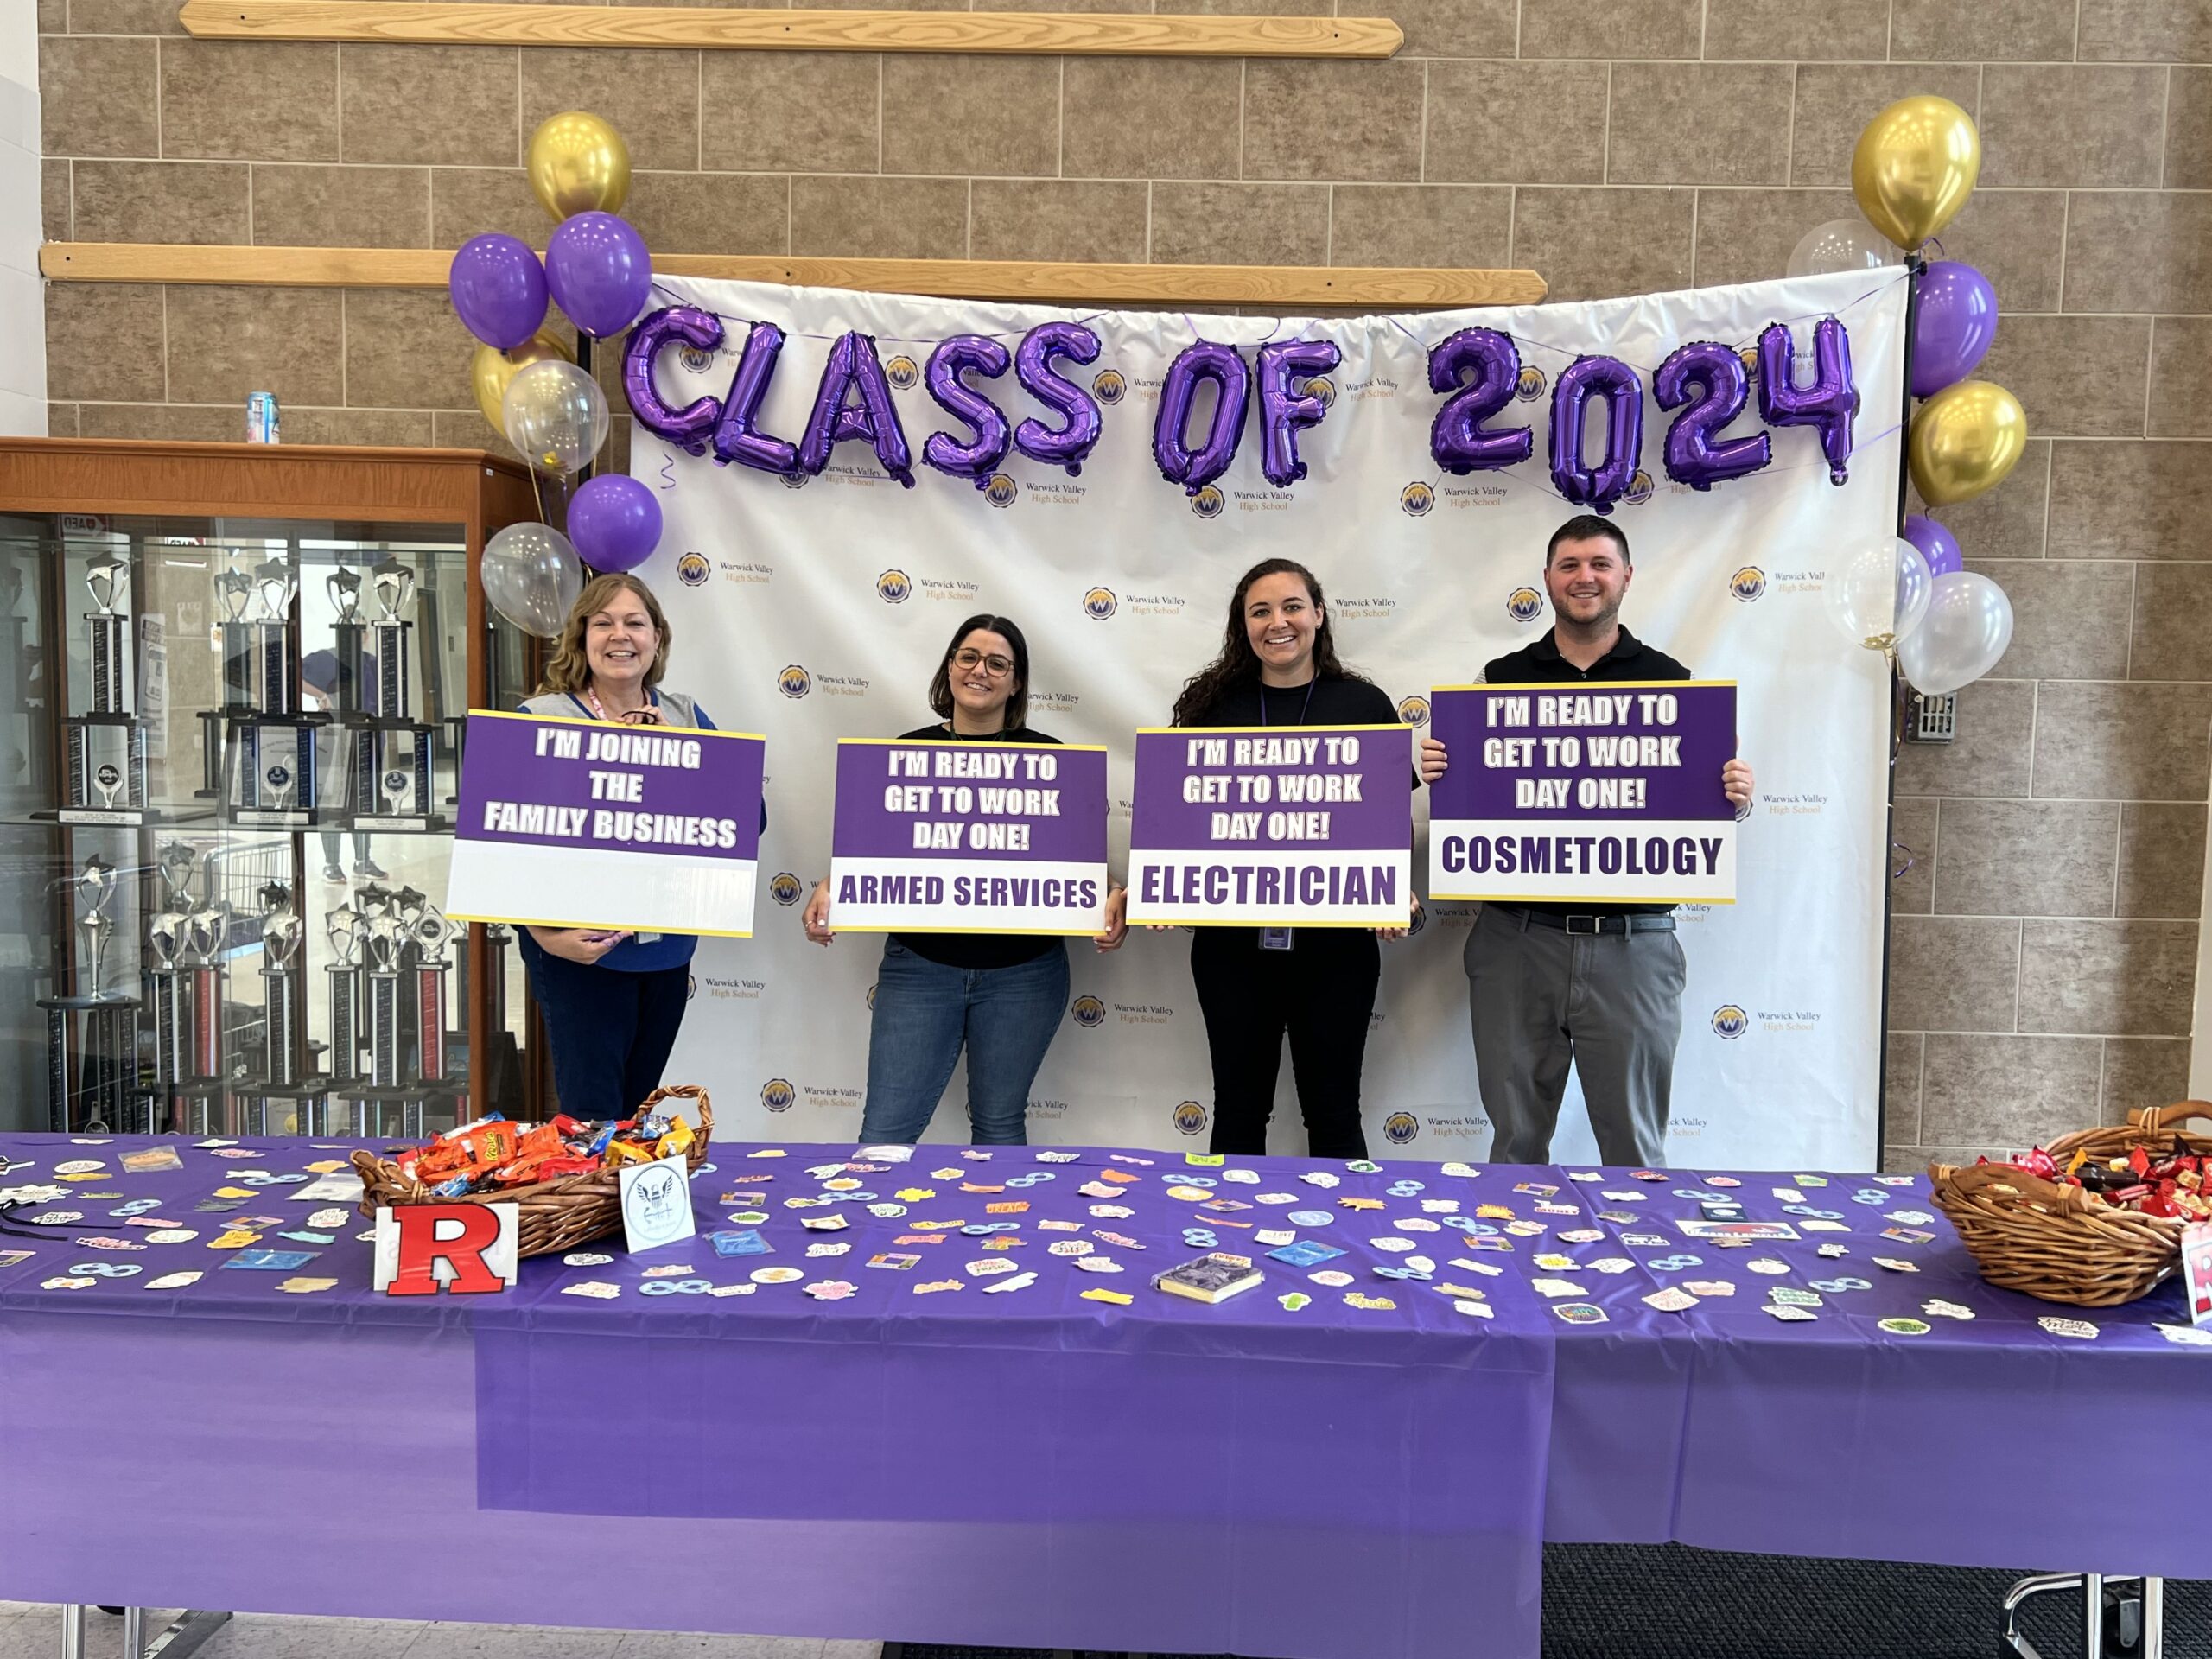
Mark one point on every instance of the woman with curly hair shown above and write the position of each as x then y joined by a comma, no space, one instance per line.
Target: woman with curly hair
1278,667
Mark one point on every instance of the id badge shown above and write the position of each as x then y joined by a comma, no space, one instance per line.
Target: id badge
646,938
1275,938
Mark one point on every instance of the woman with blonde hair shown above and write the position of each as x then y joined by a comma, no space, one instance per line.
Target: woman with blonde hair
612,1000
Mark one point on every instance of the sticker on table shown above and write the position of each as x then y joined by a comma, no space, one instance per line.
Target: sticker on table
152,1160
2080,1329
174,1281
1789,1312
271,1260
598,1290
1670,1301
1904,1327
1581,1313
775,1276
1736,1229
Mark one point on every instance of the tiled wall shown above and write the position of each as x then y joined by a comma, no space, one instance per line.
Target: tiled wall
2046,936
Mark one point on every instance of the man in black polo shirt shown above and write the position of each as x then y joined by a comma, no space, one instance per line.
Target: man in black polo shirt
1595,986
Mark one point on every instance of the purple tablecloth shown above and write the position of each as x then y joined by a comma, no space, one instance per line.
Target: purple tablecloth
1034,1468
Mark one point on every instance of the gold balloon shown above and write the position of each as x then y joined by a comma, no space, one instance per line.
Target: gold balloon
1965,439
1914,167
579,164
490,370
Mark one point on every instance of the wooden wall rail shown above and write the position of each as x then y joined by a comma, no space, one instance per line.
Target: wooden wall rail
1370,288
729,28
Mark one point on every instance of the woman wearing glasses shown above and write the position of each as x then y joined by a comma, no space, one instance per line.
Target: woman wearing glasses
1000,995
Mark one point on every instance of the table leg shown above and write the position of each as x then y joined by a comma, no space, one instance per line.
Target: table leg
2154,1619
134,1632
2010,1642
2093,1615
73,1630
185,1636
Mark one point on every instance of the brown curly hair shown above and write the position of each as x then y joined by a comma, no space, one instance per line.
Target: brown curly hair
1238,664
568,669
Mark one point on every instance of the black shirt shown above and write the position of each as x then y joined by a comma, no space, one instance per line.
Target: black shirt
979,949
1540,664
1332,703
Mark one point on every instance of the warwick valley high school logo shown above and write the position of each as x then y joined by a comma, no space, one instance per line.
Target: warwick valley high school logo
1748,583
1190,1118
1416,499
692,569
893,586
1412,711
901,374
1730,1021
777,1095
1099,604
1524,604
794,682
784,887
1107,386
1000,489
1400,1127
1088,1011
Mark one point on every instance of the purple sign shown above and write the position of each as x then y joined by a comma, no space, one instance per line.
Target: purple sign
1606,790
1299,826
587,823
950,836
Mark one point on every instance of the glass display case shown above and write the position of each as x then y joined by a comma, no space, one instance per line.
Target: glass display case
241,675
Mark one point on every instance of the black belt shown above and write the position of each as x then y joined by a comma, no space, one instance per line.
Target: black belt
1614,923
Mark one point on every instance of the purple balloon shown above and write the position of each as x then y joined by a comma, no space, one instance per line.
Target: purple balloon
1457,439
738,435
1071,443
872,421
498,289
1202,360
1281,414
1953,321
690,427
1936,544
613,523
1695,454
977,459
1611,380
599,272
1829,403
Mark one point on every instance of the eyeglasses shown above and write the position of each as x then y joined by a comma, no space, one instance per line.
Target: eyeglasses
966,660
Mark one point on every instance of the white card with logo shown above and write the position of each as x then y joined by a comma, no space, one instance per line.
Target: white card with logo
656,1204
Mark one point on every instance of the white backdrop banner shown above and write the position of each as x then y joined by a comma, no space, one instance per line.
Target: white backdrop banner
815,609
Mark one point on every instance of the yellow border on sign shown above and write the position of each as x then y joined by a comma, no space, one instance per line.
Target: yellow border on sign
1568,685
1598,905
611,927
585,720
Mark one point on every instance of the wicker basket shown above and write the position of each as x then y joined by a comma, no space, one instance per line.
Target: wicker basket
556,1215
2058,1242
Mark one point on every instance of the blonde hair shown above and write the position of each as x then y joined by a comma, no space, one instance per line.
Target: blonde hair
568,669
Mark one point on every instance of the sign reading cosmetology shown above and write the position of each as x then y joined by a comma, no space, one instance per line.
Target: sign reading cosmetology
579,823
1609,791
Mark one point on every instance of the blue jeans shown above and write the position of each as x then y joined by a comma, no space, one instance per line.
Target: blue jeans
924,1011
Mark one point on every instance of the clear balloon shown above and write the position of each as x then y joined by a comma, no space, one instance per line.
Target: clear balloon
690,427
497,288
1916,585
1283,412
1842,244
1613,382
1860,593
1936,544
555,416
614,522
490,370
531,577
1969,624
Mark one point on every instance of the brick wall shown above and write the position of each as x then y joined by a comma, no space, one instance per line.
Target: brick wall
2046,936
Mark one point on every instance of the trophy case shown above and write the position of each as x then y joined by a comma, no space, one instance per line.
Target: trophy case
240,679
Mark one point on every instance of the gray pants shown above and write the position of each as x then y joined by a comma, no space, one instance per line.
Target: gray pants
1609,1004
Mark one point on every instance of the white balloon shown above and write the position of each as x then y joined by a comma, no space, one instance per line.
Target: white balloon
1914,584
532,577
1969,624
1841,244
555,416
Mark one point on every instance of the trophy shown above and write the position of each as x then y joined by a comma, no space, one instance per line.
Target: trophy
207,930
105,578
95,886
87,1083
393,583
273,749
427,927
386,937
233,594
346,928
281,932
276,674
344,587
105,752
168,937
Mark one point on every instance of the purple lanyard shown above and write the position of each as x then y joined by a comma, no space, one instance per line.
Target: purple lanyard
1302,707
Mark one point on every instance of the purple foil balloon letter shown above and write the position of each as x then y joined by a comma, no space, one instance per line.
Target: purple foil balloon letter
1695,454
1281,414
1073,441
1202,360
690,427
974,462
737,434
1457,439
872,421
1597,488
1829,404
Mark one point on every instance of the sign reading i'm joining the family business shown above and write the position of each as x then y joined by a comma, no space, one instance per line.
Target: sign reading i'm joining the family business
1242,826
1604,792
569,822
943,836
